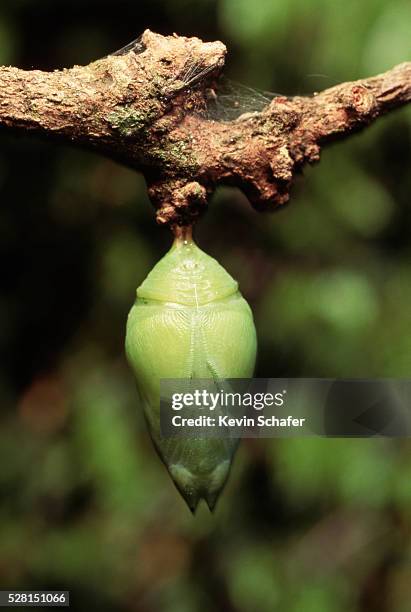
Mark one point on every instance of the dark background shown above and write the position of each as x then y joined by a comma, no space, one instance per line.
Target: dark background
304,525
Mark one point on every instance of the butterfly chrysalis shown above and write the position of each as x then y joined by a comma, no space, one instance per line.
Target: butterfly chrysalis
189,321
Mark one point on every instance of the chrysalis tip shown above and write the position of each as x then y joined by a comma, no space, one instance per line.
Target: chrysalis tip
193,488
192,504
211,501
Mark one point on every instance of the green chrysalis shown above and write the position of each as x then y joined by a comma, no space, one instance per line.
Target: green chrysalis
189,321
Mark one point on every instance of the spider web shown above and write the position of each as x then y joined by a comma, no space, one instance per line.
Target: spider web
136,46
231,99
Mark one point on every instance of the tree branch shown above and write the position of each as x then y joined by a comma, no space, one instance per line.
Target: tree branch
146,108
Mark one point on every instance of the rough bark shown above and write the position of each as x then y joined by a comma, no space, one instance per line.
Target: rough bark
145,107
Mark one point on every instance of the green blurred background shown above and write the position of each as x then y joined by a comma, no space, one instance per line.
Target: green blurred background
304,525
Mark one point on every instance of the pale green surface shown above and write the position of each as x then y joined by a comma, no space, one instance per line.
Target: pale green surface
186,275
189,321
